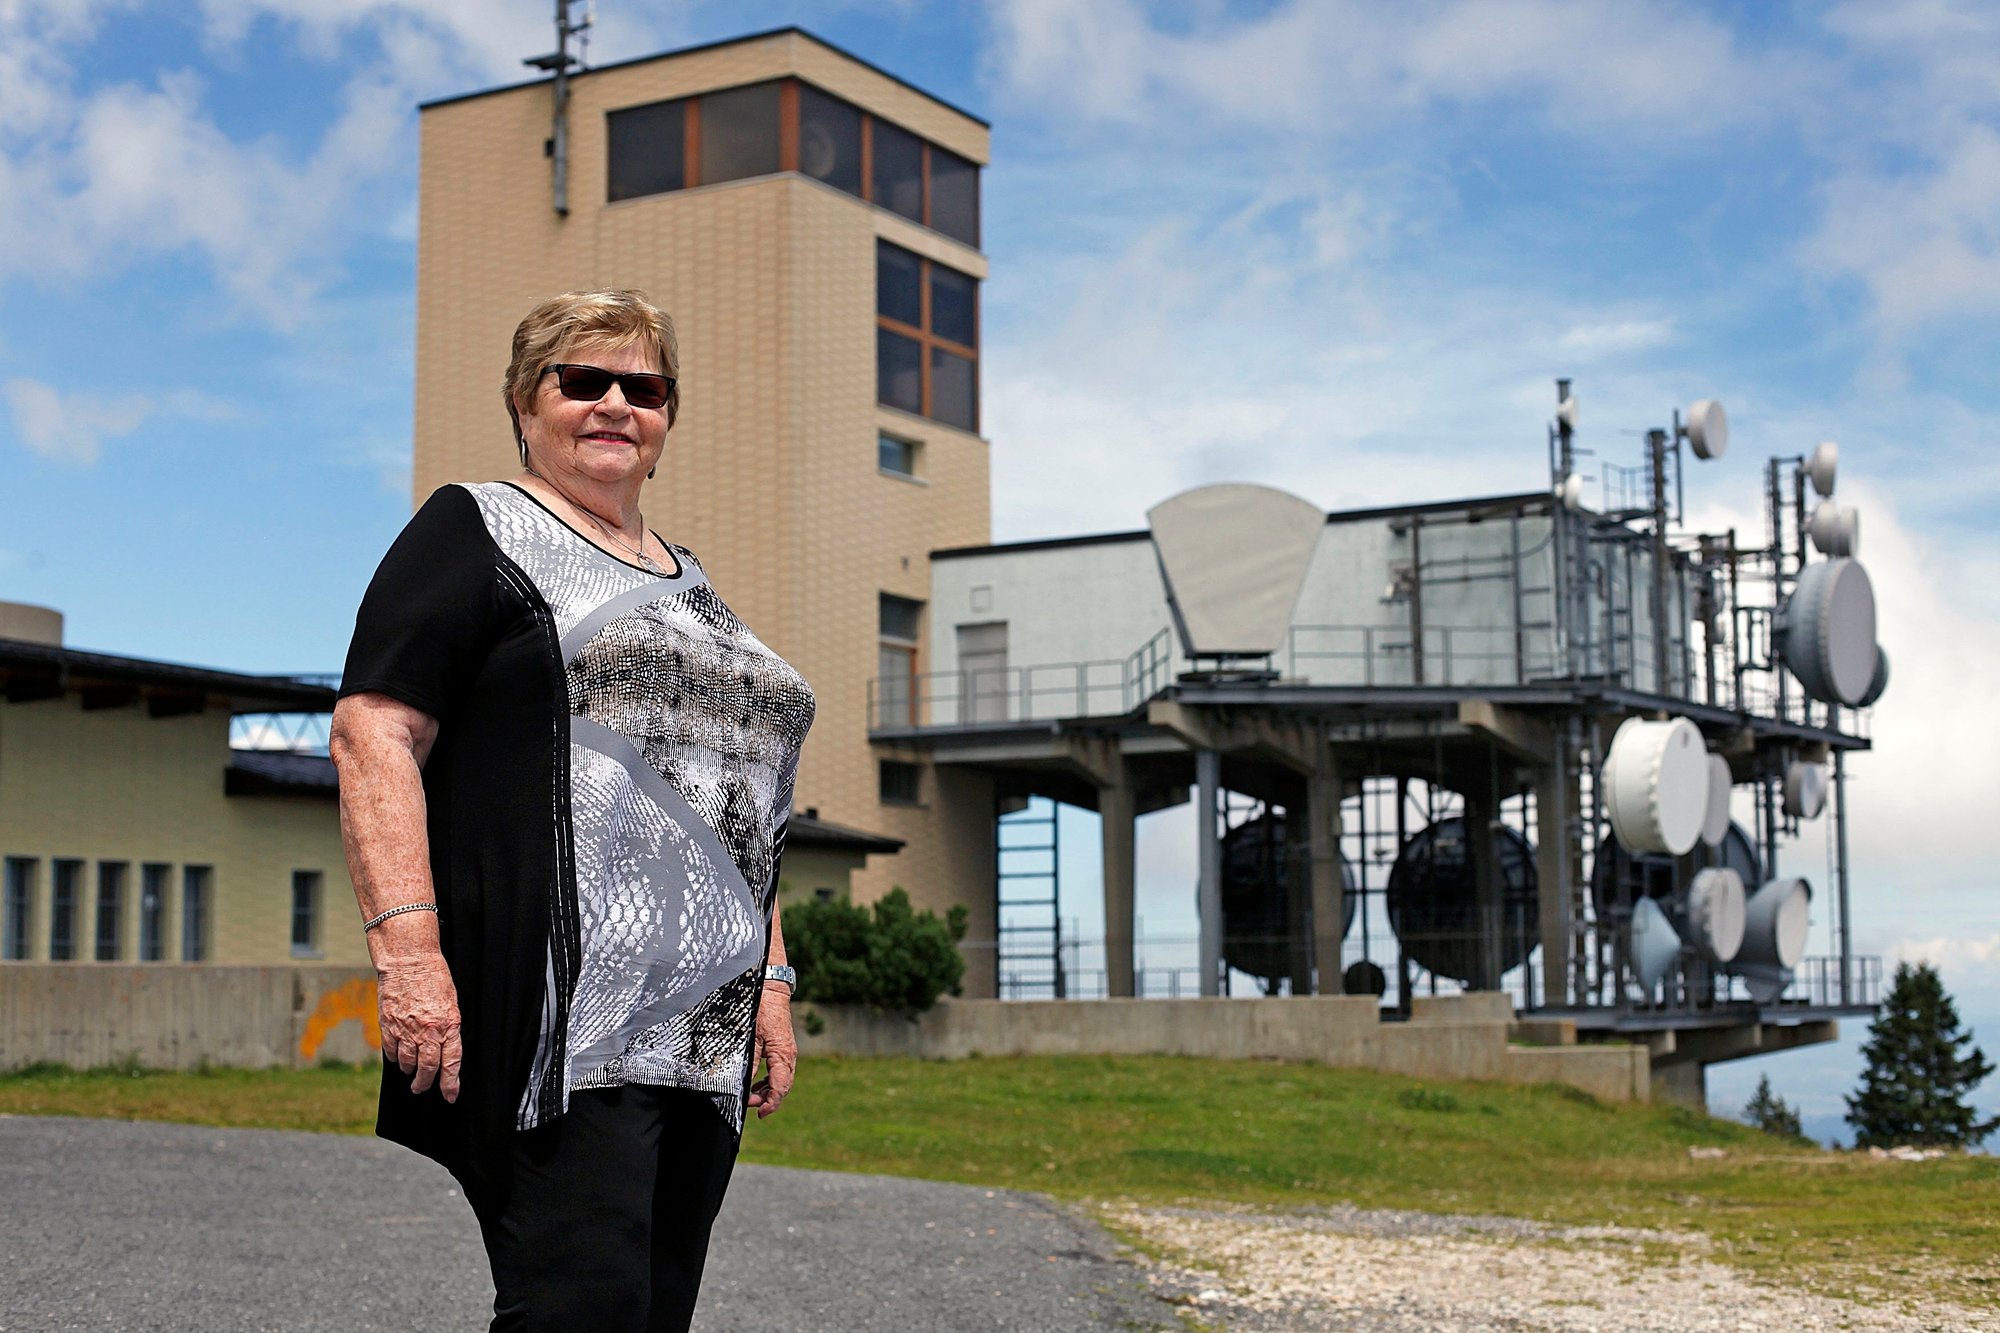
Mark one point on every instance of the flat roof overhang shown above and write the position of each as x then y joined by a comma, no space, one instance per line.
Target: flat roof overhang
31,671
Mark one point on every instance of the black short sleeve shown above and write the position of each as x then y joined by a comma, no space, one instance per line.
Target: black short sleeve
432,613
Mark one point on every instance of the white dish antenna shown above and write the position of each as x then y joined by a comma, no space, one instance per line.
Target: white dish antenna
1234,557
1822,465
1706,427
1655,944
1717,912
1775,922
1715,824
1835,529
1571,492
1829,631
1805,789
1879,683
1566,411
1656,779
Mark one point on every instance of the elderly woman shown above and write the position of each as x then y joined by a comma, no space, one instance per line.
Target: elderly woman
565,772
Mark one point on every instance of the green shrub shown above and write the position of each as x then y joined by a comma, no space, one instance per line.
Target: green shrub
890,957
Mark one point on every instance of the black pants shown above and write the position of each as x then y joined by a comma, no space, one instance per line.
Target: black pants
600,1219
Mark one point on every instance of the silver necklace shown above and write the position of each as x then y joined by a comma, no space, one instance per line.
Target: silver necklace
646,562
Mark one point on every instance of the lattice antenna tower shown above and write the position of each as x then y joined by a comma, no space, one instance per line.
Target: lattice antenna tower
559,63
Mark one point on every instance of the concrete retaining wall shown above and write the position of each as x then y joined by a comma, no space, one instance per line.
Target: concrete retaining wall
177,1016
1447,1036
172,1016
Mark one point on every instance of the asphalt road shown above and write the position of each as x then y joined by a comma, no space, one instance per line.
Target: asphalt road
112,1225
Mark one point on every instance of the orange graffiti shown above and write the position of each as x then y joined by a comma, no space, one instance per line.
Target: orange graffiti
351,999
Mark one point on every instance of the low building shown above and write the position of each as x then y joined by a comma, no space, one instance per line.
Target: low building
133,831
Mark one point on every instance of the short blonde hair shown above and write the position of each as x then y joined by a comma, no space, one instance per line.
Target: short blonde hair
615,317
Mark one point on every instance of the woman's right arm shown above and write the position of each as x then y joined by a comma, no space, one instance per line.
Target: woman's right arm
379,745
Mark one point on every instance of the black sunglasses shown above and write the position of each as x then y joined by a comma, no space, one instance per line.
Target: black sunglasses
587,384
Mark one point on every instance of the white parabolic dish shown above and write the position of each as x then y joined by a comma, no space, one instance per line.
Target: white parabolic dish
1717,912
1715,826
1657,779
1775,923
1830,631
1805,789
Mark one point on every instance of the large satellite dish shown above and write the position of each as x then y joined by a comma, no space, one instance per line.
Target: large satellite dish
1707,429
1829,631
1258,869
1234,557
1656,779
1434,903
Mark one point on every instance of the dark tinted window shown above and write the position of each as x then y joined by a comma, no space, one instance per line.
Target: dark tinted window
899,171
110,909
899,617
894,455
194,913
954,390
20,901
899,291
898,371
152,911
648,150
952,311
829,140
739,133
899,781
63,895
305,911
954,196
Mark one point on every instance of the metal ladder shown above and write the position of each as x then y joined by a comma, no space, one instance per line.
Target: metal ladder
1028,965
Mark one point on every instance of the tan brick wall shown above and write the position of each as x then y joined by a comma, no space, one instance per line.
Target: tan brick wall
116,785
770,475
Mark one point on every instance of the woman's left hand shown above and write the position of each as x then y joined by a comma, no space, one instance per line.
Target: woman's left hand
776,1047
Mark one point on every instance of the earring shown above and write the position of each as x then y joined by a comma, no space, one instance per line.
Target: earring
653,472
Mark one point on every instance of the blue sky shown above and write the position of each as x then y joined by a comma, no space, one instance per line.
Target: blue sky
1339,247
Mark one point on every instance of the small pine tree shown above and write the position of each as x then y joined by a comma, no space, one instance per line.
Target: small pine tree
1770,1113
1919,1073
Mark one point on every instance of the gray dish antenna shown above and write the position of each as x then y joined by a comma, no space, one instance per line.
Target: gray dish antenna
1655,944
1776,921
1822,465
1707,429
1717,912
1880,681
1234,557
1657,779
1835,529
1805,789
1828,631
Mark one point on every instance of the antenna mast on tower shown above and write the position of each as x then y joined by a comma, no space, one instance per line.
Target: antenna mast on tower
559,63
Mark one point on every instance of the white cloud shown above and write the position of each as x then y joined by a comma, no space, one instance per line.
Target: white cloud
74,427
70,429
1591,342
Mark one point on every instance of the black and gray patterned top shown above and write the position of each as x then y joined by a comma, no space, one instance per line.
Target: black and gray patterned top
659,819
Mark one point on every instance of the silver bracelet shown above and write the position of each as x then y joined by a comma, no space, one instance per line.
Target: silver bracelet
380,917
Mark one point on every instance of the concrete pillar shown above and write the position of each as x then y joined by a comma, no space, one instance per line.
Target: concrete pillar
1118,804
1323,792
1555,872
1683,1083
1208,845
1480,809
38,873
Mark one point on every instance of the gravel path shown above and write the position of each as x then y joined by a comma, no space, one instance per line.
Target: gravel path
1397,1272
115,1225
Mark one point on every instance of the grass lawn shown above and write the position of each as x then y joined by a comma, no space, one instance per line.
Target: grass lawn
1159,1129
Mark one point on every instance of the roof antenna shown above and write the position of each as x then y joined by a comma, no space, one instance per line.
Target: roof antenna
559,64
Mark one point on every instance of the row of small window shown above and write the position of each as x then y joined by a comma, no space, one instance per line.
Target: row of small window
926,337
104,930
787,125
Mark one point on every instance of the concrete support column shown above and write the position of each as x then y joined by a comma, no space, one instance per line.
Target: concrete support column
1555,872
39,874
1480,809
1118,804
1329,892
1208,845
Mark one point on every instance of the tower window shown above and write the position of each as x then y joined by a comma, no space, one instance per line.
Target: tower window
927,340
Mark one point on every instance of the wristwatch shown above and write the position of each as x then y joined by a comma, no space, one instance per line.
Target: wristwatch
779,972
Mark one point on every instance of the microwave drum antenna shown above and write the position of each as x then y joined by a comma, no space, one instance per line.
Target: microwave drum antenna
1655,944
1805,789
1707,429
1715,824
1822,465
1828,628
1656,777
1717,912
1879,682
1835,529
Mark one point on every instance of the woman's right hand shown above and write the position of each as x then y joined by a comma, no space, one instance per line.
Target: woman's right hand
419,1010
